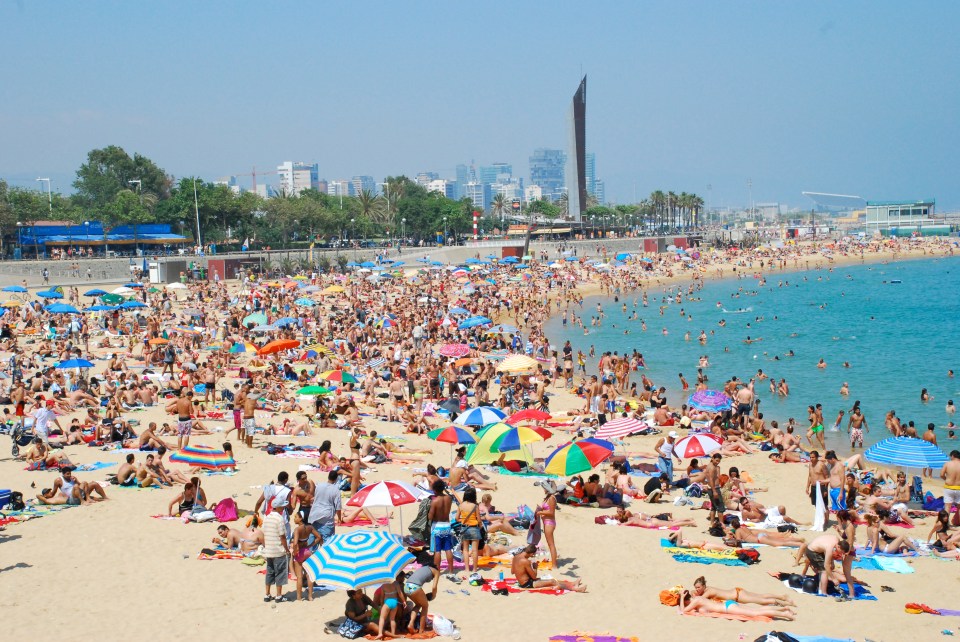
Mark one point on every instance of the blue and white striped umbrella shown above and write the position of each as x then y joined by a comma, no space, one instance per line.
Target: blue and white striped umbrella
480,416
358,559
906,452
376,362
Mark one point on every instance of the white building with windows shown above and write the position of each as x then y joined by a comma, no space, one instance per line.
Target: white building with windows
296,177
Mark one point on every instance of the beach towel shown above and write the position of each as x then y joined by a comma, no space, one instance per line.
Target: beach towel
297,454
697,556
511,586
219,554
591,637
363,521
869,552
531,473
820,638
861,592
731,616
890,564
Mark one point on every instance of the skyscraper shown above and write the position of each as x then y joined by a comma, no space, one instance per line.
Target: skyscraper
590,170
546,171
296,177
359,183
576,170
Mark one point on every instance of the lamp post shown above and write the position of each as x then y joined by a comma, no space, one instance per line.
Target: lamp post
353,235
340,185
196,209
49,193
444,230
136,238
20,238
86,231
403,230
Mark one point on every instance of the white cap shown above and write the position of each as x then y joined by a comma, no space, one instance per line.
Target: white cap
673,433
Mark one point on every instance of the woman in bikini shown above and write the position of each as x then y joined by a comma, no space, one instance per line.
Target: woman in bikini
881,540
547,514
355,462
739,595
304,542
325,459
744,534
663,520
695,604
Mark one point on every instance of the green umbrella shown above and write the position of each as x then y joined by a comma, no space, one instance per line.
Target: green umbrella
112,298
313,390
257,318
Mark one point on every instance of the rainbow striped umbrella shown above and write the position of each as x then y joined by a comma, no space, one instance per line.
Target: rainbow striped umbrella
338,375
577,457
358,559
243,347
480,416
452,435
203,457
518,436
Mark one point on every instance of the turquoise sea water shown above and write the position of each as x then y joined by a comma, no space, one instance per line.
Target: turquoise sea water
897,338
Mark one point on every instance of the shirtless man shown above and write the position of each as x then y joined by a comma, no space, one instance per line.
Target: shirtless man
856,426
820,556
246,541
69,490
930,437
249,420
183,406
130,474
951,481
711,482
523,569
836,472
148,439
817,472
441,537
18,397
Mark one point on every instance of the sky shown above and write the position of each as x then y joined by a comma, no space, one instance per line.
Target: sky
844,97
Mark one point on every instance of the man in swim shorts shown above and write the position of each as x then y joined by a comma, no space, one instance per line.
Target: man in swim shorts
951,479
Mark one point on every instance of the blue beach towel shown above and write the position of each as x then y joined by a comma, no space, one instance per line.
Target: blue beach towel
891,564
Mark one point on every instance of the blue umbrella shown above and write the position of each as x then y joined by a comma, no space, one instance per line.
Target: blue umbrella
95,292
285,321
133,285
480,416
306,302
571,259
502,328
368,264
100,308
472,261
50,294
129,305
61,308
353,264
459,310
623,256
510,259
473,322
436,262
358,559
906,452
17,289
74,363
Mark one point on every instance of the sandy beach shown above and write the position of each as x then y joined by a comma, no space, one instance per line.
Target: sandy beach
111,570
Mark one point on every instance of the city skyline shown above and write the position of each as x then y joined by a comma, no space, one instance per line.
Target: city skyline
784,99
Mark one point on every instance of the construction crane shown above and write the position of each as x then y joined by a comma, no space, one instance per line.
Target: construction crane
253,176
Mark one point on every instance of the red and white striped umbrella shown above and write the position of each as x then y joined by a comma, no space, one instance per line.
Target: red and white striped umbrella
698,445
619,428
387,493
455,350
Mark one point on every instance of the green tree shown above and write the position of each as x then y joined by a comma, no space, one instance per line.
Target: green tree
499,206
108,171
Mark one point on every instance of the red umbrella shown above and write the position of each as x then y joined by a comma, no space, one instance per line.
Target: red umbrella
698,445
619,428
528,414
278,346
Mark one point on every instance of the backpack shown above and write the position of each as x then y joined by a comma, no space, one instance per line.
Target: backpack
748,555
226,510
671,596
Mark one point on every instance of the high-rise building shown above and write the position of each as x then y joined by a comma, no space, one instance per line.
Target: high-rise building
590,170
441,186
496,173
424,178
599,191
576,170
546,171
360,183
231,182
296,177
532,193
338,188
478,193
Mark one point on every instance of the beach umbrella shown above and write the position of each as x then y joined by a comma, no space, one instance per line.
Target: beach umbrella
16,289
385,322
502,328
238,348
264,328
339,376
285,321
176,286
452,435
11,304
455,350
528,414
620,428
906,452
203,457
158,341
188,330
61,308
133,285
332,289
319,348
577,457
74,363
50,294
486,450
518,436
387,493
517,363
472,322
112,298
480,416
458,310
278,346
257,318
313,390
698,445
304,301
358,559
710,401
376,362
123,290
130,305
100,308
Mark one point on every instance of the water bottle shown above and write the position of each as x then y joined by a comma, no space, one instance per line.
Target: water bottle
501,576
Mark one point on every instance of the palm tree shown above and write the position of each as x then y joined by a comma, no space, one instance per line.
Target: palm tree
564,204
371,207
499,206
658,202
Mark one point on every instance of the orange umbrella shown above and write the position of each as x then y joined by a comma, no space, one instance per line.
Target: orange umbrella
464,361
159,341
278,346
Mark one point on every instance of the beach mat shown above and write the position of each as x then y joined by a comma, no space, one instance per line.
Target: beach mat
511,586
890,564
731,616
363,521
698,556
862,592
592,637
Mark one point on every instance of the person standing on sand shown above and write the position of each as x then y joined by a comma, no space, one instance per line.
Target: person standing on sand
714,490
930,437
817,473
249,420
183,406
837,500
951,481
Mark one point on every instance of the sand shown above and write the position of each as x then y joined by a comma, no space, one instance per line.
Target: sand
110,571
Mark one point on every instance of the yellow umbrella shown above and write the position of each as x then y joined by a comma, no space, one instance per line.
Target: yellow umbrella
11,304
517,363
332,289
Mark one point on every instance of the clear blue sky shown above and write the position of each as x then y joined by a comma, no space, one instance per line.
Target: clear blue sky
849,97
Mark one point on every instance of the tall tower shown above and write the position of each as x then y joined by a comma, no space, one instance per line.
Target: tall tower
576,169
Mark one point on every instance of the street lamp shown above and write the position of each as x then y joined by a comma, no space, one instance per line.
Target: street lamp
86,232
136,238
49,193
340,185
403,230
353,235
444,230
20,238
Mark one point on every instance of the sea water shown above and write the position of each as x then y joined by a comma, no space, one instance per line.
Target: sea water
898,338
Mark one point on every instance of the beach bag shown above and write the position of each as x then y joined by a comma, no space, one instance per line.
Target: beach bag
202,516
351,630
226,510
694,490
932,502
420,526
534,534
670,596
748,555
443,626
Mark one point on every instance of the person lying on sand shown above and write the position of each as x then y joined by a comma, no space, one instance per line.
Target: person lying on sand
694,604
743,534
663,520
739,595
69,490
246,540
525,572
